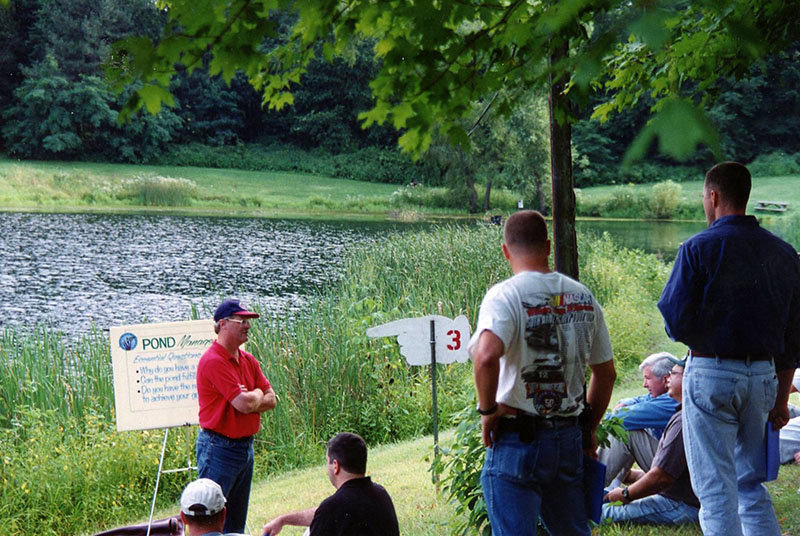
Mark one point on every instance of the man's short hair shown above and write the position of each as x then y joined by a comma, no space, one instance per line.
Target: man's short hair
350,451
732,181
526,230
659,363
207,522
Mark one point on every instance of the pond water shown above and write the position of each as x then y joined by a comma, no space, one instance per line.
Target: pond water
72,271
659,237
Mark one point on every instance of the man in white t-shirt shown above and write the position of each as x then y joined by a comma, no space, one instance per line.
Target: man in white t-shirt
536,334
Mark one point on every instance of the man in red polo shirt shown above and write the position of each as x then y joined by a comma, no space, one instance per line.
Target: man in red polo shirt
233,393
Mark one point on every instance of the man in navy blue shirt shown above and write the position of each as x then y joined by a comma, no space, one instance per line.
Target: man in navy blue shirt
734,299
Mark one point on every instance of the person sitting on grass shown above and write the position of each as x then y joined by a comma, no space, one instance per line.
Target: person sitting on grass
790,434
644,417
358,508
662,495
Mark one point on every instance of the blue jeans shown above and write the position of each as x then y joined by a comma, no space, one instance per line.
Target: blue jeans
522,481
230,464
654,510
725,407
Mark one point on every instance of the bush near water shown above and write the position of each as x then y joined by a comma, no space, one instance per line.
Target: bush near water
65,469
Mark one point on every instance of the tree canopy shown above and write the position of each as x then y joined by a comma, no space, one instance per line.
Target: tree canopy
439,56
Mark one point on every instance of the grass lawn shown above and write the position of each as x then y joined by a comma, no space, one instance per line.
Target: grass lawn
87,186
402,469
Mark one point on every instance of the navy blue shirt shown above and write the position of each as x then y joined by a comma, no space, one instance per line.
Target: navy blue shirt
735,290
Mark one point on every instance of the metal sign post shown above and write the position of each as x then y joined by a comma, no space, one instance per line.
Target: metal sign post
433,390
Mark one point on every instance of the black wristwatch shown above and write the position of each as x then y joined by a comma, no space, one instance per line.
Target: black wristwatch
484,412
626,494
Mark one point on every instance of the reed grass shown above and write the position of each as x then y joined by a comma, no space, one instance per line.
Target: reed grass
43,369
159,191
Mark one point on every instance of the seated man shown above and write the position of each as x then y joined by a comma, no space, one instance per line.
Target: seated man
644,417
358,508
203,508
790,434
662,495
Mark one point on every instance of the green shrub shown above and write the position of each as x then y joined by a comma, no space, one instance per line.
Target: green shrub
159,191
787,227
664,199
77,474
372,164
775,164
627,283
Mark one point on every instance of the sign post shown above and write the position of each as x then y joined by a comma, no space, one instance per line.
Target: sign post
446,340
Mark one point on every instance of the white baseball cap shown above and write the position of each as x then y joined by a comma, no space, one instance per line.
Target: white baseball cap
203,497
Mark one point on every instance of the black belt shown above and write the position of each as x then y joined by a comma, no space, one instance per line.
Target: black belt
527,425
734,357
223,436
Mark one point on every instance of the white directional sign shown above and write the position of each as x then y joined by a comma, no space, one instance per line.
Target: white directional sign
414,337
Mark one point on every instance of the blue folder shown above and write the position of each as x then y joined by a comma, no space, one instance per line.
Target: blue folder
773,452
594,476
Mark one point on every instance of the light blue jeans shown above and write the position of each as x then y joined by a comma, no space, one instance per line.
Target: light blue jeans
522,481
653,510
725,407
229,463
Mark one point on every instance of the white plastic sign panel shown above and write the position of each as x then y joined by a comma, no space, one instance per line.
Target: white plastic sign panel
414,337
155,366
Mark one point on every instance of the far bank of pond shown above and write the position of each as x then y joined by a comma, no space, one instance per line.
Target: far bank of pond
73,271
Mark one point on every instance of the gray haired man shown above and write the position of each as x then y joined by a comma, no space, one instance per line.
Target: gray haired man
644,417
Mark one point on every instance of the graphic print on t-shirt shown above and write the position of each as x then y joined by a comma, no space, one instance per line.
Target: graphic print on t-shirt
549,317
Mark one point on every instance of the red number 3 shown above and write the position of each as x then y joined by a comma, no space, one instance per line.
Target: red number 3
456,339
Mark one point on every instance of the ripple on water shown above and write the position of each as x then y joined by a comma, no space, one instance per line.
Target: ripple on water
73,271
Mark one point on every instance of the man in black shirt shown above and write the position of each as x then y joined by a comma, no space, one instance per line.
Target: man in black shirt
358,508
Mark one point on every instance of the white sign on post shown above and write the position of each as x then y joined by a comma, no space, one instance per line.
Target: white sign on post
155,366
414,337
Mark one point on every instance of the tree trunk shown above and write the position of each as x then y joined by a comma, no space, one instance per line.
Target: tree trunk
540,198
486,195
564,238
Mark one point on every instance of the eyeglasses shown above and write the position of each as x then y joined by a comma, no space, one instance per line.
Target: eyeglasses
243,321
675,373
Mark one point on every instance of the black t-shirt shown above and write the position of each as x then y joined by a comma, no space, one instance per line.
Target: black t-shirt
358,508
671,459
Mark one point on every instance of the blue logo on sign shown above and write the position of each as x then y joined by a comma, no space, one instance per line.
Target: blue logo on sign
128,341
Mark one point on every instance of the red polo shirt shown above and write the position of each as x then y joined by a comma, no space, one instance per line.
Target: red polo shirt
220,379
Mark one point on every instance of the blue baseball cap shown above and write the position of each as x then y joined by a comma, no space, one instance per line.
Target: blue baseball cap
232,308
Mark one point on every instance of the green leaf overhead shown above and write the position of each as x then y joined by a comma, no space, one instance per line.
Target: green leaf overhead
438,56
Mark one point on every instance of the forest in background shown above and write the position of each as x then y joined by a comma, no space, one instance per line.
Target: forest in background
55,104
